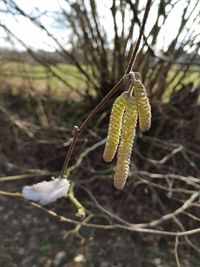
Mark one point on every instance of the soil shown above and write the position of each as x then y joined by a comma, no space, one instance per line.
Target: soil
30,237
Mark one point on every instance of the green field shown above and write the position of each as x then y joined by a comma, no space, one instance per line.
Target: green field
57,80
64,80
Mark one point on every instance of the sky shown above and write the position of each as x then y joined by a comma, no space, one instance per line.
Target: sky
37,39
26,30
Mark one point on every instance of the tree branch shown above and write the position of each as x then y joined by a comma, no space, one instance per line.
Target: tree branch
123,80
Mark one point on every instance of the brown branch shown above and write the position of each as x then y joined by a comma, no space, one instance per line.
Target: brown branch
126,78
69,153
187,204
135,50
111,93
106,226
116,226
29,175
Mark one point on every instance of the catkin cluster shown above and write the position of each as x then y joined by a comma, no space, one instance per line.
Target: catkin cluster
122,126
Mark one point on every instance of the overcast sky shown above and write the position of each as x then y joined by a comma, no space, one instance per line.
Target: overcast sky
35,38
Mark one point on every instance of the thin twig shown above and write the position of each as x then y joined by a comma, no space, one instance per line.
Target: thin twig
10,194
108,96
81,212
83,155
126,78
77,228
176,251
106,226
171,215
187,240
69,153
29,175
135,50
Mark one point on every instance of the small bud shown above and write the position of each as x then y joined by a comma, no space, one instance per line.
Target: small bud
137,76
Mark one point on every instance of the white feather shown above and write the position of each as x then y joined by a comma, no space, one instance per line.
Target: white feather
46,192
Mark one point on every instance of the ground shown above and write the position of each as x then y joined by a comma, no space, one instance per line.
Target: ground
31,237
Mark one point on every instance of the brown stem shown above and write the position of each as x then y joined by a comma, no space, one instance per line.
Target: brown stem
128,76
69,153
103,102
135,49
79,130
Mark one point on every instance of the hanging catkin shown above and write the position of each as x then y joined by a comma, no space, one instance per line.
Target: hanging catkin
126,143
115,125
144,108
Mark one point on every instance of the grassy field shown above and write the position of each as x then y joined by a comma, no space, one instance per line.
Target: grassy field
64,80
57,80
190,77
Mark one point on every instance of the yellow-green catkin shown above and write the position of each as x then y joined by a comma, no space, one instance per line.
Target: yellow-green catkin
144,108
126,143
115,125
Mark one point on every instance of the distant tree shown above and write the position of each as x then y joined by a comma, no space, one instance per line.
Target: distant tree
102,58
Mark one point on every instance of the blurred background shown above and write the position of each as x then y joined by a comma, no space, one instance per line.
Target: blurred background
58,59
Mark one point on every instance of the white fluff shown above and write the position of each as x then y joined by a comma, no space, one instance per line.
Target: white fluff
46,192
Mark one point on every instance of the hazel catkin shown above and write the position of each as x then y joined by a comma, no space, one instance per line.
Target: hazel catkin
114,129
143,105
126,143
